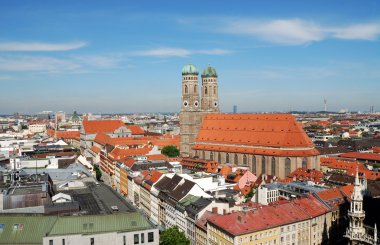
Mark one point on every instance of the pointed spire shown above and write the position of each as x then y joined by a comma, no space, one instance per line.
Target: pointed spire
375,234
357,176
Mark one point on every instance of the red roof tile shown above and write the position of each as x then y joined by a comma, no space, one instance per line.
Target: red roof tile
270,130
108,126
265,217
361,155
95,149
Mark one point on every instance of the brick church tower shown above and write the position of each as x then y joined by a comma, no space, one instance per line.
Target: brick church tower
192,110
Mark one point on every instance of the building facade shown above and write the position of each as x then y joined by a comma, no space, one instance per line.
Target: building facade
194,107
274,144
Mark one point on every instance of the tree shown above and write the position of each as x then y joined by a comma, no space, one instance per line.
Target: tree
173,236
170,151
98,172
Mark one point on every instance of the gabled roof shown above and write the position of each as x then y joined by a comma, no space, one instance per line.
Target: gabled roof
104,126
268,130
109,126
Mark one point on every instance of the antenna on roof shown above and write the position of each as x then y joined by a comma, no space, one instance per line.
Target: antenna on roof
325,102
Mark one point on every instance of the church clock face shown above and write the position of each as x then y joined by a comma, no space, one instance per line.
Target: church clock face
185,103
215,104
196,103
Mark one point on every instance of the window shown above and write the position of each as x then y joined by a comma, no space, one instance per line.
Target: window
195,89
287,167
219,158
263,165
186,89
136,239
227,157
236,159
63,241
142,238
50,242
245,159
150,237
214,90
211,155
92,241
304,162
273,166
124,240
205,89
254,164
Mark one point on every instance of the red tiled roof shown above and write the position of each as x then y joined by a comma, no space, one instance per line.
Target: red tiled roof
95,149
108,126
364,173
307,174
119,153
156,157
334,163
270,130
334,197
64,134
347,190
104,139
265,217
361,155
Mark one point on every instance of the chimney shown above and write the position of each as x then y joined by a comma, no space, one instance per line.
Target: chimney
240,218
215,210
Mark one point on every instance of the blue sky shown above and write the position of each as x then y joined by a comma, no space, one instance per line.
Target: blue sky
127,56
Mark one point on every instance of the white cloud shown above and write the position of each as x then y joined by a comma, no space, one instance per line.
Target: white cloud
178,52
298,31
100,61
368,31
38,46
164,52
292,31
214,52
30,63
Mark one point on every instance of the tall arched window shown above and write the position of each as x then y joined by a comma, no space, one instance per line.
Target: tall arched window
236,159
273,166
245,160
211,155
263,165
205,89
214,90
219,158
227,157
195,89
254,164
304,162
186,89
287,167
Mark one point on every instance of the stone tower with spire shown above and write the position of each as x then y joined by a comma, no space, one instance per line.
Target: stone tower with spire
357,233
193,109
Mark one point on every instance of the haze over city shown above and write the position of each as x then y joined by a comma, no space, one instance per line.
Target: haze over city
125,56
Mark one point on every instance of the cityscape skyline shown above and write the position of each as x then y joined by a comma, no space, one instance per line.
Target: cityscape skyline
116,57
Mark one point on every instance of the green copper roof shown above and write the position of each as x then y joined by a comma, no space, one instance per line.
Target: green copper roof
22,229
209,72
31,229
75,117
189,69
89,224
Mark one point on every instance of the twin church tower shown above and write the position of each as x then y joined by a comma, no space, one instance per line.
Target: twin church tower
194,105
